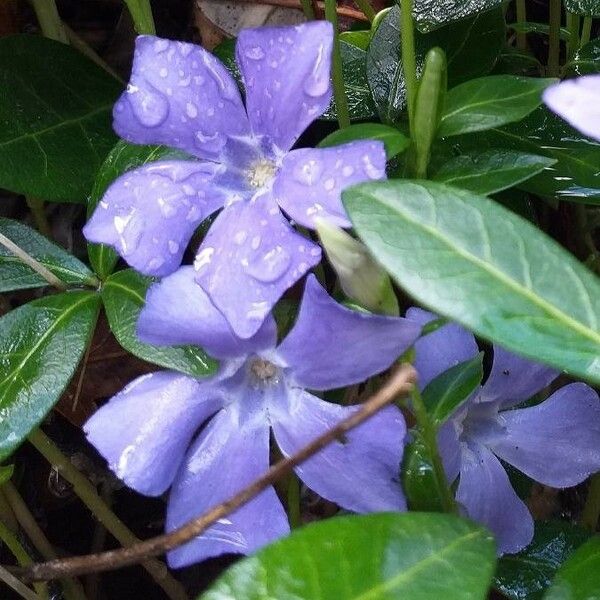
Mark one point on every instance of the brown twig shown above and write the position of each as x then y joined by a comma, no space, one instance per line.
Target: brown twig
400,382
343,11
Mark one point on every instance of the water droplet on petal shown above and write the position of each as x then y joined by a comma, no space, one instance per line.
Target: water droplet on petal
271,266
150,109
258,310
307,172
316,84
155,263
173,247
255,53
121,222
329,184
161,45
167,209
255,243
203,258
210,143
191,111
240,237
347,171
371,170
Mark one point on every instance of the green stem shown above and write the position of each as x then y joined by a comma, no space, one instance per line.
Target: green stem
573,25
12,582
429,436
409,61
49,20
293,501
591,510
141,14
88,495
553,66
72,590
36,206
521,18
367,9
586,31
309,11
339,89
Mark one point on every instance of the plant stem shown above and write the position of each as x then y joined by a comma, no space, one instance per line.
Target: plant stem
586,31
72,590
293,501
367,9
307,8
553,66
591,510
573,24
141,13
38,267
49,20
339,89
88,495
20,588
409,61
36,206
429,435
521,18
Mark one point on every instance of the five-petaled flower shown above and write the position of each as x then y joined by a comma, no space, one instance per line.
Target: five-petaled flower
146,431
556,442
182,96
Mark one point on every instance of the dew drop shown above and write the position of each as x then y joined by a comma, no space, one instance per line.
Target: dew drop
167,209
329,184
347,171
150,109
203,258
155,263
121,222
255,243
255,53
210,143
271,266
371,170
308,172
240,237
161,45
163,72
191,111
188,189
173,247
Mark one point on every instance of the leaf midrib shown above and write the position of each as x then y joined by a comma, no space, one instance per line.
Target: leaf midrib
81,276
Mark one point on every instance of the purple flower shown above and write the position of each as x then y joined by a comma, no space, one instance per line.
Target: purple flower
577,101
556,442
149,432
182,96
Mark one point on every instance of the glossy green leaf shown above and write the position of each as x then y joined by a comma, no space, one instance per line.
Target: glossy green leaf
472,47
15,275
513,61
41,344
122,158
589,8
489,102
431,14
395,142
575,176
491,171
55,110
586,60
579,577
382,556
124,295
418,479
525,575
445,394
541,28
467,258
360,38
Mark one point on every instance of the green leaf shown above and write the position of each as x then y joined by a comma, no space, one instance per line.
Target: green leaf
55,107
41,344
575,176
122,158
472,47
525,576
586,61
124,295
444,394
491,171
541,28
395,142
418,479
579,577
429,15
360,38
489,102
376,557
471,260
16,275
589,8
6,472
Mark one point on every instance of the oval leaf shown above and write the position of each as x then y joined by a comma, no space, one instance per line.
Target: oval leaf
377,557
55,108
470,259
124,296
41,344
488,102
16,275
589,8
395,142
428,15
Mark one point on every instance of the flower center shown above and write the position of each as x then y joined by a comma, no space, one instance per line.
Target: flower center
261,172
263,372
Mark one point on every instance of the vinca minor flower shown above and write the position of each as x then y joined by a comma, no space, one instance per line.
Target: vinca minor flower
147,431
180,95
556,442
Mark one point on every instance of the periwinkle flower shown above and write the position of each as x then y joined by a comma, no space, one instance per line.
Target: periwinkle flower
555,442
151,435
180,95
577,101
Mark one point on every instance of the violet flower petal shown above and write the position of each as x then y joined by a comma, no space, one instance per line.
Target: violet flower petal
286,72
311,180
179,95
248,259
361,472
514,379
332,346
149,214
229,454
178,311
144,430
577,101
449,449
442,349
485,491
556,442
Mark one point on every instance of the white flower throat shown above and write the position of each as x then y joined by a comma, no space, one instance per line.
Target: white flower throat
261,173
